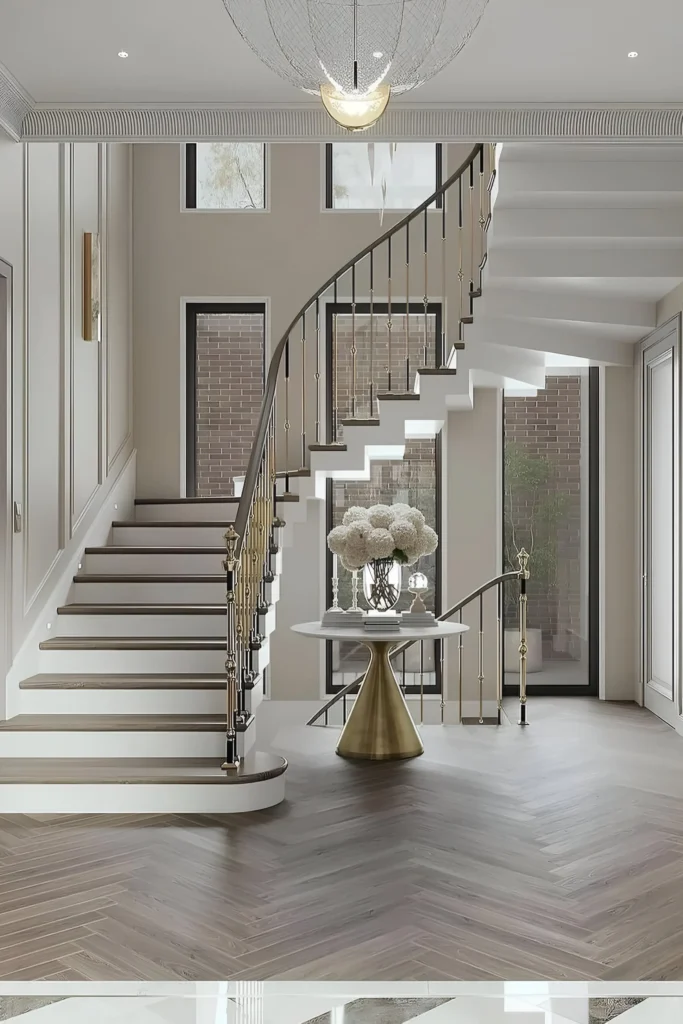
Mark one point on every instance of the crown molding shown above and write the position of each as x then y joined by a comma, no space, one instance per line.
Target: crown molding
15,104
161,123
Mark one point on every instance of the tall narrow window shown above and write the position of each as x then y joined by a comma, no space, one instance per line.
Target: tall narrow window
550,495
225,176
381,175
413,479
225,373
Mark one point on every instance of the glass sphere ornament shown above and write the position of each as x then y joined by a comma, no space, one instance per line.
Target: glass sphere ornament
418,585
355,54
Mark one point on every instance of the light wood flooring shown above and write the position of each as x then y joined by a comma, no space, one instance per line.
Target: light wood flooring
553,852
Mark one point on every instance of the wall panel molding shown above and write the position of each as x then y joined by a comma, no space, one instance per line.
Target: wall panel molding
311,124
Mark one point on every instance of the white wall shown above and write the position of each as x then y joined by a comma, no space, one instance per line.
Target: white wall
72,399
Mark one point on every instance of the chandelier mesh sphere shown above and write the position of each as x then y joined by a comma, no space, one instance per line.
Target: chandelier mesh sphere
355,54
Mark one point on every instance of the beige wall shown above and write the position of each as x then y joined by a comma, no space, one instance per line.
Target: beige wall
72,398
283,255
619,541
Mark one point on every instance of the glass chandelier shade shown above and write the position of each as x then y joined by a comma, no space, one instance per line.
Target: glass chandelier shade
356,53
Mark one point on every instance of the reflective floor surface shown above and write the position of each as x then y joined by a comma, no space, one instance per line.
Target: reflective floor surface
334,1003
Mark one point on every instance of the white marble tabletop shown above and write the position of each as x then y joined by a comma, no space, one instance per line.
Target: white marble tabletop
358,633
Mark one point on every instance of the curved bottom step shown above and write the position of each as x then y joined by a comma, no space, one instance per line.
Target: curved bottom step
140,786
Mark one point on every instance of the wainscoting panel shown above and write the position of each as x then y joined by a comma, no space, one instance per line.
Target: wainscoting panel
86,388
119,304
42,355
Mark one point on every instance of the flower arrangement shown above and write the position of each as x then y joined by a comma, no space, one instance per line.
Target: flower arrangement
397,531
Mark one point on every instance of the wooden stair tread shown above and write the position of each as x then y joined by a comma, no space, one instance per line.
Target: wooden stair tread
398,396
134,643
327,447
148,578
232,498
113,723
156,524
121,549
437,371
257,766
123,681
142,609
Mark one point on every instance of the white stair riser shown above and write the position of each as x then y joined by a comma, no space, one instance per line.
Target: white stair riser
148,593
94,661
74,743
122,702
141,799
196,563
210,512
169,536
138,625
132,702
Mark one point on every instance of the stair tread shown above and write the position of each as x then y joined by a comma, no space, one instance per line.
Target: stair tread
113,723
134,643
152,549
258,765
398,396
142,609
232,498
162,523
437,371
123,681
148,578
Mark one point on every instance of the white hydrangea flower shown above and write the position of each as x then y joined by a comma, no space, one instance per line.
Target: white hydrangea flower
380,543
404,534
357,532
354,514
349,565
336,540
381,516
399,509
415,517
429,539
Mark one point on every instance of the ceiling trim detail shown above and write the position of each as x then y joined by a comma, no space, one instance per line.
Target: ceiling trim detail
312,124
15,104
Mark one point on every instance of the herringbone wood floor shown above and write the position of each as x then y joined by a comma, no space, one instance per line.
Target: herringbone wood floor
555,852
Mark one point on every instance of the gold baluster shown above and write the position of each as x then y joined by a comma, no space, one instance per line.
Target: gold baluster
443,278
407,325
460,670
353,342
230,565
472,235
304,450
287,423
389,321
523,559
461,272
317,371
499,653
480,676
372,334
425,300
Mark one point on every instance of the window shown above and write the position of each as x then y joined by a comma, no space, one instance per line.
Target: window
414,479
357,173
225,372
225,176
550,509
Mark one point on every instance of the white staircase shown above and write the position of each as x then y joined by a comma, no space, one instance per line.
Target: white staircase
127,712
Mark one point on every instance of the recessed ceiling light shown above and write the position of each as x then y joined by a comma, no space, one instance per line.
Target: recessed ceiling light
633,53
377,54
122,53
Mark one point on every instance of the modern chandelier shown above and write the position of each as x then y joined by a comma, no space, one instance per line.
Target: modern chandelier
355,54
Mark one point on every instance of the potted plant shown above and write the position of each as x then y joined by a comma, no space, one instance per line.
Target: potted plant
532,510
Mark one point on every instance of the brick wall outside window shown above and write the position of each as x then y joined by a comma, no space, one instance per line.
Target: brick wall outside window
548,427
229,389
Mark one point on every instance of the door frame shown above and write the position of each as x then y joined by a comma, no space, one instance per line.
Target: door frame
667,336
6,481
191,310
594,583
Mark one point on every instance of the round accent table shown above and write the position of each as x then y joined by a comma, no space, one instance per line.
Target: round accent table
380,727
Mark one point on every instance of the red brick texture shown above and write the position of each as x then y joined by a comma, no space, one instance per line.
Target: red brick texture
229,389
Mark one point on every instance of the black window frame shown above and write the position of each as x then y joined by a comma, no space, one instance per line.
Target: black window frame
192,310
329,182
436,309
191,181
592,687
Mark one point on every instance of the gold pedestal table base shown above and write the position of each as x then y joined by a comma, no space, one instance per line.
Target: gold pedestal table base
380,726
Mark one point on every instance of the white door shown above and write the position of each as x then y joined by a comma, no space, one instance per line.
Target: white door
661,522
5,476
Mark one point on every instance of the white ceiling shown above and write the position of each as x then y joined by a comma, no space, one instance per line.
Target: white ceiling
187,51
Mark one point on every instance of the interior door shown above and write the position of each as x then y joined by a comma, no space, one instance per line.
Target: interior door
661,523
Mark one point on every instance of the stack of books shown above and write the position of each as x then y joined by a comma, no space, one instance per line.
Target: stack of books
387,623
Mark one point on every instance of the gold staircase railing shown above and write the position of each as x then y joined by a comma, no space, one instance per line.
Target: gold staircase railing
520,576
443,239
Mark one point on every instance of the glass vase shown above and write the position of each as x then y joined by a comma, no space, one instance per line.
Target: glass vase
382,583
